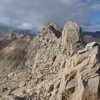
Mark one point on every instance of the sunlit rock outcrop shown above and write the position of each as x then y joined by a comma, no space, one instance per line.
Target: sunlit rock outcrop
55,64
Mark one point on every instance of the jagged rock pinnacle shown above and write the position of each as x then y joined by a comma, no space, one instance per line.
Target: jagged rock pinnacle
71,36
54,28
72,33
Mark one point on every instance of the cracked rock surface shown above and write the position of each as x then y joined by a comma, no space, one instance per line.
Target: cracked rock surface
55,64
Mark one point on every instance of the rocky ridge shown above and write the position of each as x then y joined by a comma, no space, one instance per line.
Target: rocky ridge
55,64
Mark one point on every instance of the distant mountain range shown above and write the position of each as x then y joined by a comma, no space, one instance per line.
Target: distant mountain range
94,34
6,29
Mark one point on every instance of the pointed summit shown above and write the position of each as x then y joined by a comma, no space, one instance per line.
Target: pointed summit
52,28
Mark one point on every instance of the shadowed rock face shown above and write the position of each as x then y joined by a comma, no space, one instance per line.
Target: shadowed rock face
54,28
56,64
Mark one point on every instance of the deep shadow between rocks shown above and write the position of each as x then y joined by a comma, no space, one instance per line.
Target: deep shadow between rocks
56,32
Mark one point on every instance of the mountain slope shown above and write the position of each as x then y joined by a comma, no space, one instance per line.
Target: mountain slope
55,64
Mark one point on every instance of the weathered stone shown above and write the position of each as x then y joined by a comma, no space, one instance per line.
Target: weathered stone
72,38
81,69
53,65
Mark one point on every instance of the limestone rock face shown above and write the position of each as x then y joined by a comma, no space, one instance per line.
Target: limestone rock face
72,37
71,33
80,78
53,65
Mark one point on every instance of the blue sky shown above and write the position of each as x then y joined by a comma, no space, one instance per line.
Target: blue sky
95,18
34,14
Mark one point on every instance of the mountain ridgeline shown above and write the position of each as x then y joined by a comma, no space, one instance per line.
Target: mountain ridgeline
4,29
55,64
92,36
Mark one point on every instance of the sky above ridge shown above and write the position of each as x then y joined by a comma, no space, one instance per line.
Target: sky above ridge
34,14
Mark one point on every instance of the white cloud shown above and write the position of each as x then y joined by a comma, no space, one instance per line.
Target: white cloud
91,28
5,20
69,1
96,7
25,26
36,13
